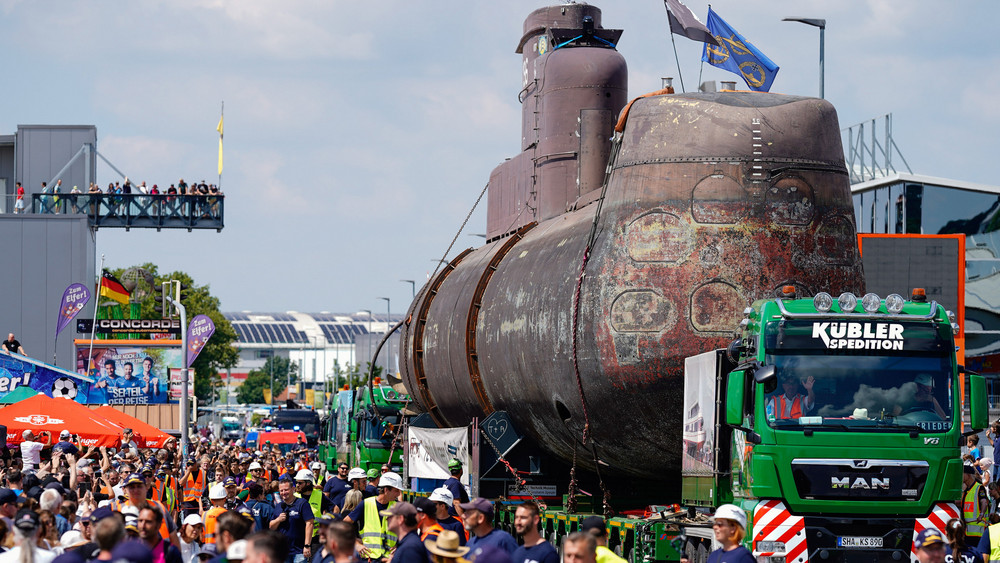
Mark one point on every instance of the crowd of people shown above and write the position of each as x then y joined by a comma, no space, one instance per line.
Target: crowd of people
63,501
201,196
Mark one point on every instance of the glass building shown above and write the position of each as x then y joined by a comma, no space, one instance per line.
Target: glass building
913,204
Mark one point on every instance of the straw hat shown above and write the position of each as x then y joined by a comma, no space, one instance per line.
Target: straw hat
446,545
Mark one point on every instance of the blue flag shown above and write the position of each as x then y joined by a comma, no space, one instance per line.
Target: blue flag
735,54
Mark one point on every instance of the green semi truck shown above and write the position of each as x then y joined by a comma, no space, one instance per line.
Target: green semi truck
835,424
360,427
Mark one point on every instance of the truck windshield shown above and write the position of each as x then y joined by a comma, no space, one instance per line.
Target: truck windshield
871,378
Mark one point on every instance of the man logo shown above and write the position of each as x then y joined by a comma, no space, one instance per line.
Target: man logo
872,483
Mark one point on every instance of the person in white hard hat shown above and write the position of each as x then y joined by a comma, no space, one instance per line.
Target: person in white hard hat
317,468
306,488
442,498
730,527
376,540
217,496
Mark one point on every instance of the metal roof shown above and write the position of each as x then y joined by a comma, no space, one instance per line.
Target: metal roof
921,179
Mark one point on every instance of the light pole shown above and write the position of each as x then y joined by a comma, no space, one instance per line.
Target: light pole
413,286
388,325
821,24
369,333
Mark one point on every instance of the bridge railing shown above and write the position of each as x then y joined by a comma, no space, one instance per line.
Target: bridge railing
162,211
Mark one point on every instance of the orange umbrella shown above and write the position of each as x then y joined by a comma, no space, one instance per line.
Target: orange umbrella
42,413
147,435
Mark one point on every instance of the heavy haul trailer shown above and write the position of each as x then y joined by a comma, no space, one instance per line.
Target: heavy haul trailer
850,471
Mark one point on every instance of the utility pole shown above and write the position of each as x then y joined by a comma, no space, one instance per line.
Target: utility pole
185,391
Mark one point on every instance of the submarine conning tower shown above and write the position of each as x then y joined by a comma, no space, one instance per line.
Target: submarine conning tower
574,84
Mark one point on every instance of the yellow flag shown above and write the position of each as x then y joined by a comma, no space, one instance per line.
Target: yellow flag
311,397
219,129
267,396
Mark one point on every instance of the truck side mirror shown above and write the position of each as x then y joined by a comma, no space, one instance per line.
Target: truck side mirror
978,407
734,398
763,374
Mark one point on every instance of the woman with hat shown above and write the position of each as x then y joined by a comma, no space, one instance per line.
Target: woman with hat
729,524
25,537
445,548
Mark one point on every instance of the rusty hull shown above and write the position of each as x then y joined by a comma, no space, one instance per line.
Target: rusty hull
714,200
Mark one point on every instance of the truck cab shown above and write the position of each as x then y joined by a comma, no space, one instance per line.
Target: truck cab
843,427
361,427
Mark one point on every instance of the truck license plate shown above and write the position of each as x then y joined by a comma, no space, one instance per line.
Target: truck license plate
859,541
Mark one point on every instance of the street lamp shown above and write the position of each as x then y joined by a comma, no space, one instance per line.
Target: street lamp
413,286
369,333
388,325
821,24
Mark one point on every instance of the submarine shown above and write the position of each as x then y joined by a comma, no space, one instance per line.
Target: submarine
622,238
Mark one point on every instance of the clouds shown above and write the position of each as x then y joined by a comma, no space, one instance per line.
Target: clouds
358,134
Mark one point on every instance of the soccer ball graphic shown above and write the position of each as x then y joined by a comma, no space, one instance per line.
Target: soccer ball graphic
65,388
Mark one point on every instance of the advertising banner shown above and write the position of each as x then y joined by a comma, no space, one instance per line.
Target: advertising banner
26,377
129,372
430,449
201,329
73,300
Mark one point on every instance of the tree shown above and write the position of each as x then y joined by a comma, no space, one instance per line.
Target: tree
280,369
219,353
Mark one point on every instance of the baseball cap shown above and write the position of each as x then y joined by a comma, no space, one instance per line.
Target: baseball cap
442,494
26,520
391,479
731,512
101,513
325,519
217,492
7,496
925,379
65,434
237,551
133,479
229,482
304,475
400,509
71,538
928,537
489,554
480,504
425,506
192,520
132,552
595,524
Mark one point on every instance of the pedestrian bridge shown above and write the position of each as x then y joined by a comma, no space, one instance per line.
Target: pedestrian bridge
137,211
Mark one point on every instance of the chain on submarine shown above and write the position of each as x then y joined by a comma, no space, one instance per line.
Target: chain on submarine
710,201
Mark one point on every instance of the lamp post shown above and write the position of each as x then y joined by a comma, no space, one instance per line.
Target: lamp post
413,286
369,333
821,24
388,325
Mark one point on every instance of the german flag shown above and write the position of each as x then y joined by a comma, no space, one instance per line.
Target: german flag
113,289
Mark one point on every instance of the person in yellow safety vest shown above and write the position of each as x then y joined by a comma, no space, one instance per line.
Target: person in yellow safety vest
376,539
318,502
217,496
317,468
135,487
975,505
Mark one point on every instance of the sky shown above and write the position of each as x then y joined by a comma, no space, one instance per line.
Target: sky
358,135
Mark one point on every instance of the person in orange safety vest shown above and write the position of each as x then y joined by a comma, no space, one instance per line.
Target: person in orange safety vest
791,403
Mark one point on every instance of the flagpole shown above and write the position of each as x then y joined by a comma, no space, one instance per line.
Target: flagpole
93,325
674,43
222,115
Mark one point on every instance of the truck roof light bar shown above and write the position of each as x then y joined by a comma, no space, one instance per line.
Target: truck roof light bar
789,315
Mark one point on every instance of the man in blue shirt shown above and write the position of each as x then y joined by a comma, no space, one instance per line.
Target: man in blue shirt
455,486
64,444
442,498
338,485
294,521
403,522
478,517
263,512
535,548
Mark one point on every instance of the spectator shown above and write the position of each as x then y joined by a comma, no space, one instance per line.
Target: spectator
478,515
581,547
295,521
268,547
26,526
535,548
13,346
31,451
